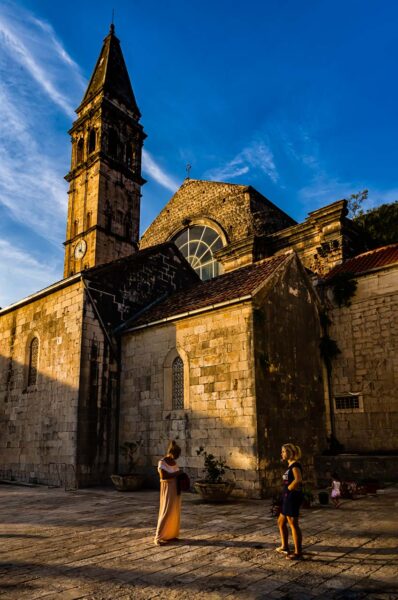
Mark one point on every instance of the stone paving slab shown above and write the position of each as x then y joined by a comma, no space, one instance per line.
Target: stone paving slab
97,544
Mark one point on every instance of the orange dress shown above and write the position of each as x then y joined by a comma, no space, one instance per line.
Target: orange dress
170,506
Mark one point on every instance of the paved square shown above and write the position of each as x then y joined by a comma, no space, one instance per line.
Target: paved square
98,544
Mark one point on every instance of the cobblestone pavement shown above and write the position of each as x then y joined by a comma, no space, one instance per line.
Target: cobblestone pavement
98,545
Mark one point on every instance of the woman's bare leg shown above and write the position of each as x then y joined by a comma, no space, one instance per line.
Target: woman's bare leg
296,534
283,530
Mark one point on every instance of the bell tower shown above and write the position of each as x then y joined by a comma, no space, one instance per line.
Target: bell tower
105,176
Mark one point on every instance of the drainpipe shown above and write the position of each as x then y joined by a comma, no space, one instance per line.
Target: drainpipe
117,406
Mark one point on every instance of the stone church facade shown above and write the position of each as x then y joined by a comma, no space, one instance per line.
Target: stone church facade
207,330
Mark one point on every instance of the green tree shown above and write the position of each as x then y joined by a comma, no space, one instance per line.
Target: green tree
355,202
380,224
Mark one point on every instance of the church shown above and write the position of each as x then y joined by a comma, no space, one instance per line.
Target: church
211,329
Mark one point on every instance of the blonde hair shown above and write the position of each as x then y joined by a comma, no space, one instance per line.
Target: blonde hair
174,449
292,451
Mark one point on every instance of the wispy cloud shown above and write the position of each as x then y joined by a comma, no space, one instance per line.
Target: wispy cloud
27,98
256,155
40,83
322,187
33,69
151,168
23,273
22,39
31,187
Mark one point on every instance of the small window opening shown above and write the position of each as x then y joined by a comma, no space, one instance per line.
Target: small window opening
92,141
33,361
350,402
88,220
75,227
177,384
80,151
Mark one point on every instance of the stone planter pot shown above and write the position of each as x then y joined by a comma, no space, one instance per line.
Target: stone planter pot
128,483
214,492
323,498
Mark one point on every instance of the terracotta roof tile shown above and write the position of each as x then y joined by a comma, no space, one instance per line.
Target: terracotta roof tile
373,259
226,287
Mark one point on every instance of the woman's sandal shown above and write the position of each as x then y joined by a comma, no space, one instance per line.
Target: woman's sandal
282,550
294,556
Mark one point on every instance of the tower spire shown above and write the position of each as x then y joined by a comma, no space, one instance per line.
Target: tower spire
112,27
110,76
105,176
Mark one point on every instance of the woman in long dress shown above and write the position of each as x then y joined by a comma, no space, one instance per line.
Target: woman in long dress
170,501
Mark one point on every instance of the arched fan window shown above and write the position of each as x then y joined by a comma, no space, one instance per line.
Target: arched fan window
177,384
33,361
198,244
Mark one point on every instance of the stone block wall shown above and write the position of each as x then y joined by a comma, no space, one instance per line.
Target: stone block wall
95,453
290,387
238,210
38,423
322,241
219,411
367,333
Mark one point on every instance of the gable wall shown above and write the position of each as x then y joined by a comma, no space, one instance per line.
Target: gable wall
238,212
217,347
289,374
366,333
38,424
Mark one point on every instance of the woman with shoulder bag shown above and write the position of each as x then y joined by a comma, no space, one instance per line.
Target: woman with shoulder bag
170,499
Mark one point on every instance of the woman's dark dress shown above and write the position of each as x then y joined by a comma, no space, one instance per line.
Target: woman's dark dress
291,500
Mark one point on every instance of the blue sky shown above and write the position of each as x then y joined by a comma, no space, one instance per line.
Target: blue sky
297,99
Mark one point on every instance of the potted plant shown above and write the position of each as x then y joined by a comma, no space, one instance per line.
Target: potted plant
213,488
323,497
130,481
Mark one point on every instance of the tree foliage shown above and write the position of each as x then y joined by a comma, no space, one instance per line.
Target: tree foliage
380,225
355,202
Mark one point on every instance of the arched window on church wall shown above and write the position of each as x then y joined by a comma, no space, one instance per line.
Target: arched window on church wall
177,390
92,139
88,220
33,361
80,151
198,243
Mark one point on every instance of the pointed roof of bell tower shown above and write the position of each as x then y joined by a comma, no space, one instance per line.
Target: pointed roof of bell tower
110,76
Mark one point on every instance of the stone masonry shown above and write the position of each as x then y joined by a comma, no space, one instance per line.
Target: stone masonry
219,405
39,422
245,390
367,333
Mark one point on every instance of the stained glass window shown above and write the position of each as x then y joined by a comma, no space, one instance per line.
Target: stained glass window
178,384
198,244
33,361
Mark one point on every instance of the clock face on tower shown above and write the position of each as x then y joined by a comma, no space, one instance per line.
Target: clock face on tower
80,249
